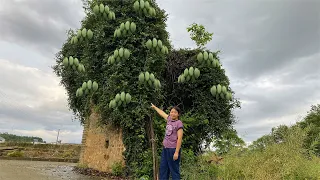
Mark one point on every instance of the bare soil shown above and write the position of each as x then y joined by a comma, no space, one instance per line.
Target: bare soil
40,170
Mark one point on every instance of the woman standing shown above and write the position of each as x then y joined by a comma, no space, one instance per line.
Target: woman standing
170,157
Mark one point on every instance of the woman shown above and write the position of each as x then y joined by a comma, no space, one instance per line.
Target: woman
170,157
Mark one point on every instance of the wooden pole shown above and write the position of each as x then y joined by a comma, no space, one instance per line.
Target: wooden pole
58,136
154,150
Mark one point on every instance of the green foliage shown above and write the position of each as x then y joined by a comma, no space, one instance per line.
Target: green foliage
68,154
15,138
285,160
196,167
227,141
312,120
15,154
118,77
144,166
117,169
199,34
205,115
276,136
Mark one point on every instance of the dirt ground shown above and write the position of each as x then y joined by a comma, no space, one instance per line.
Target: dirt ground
39,170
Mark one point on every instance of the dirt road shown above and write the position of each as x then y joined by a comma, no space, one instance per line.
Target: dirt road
39,170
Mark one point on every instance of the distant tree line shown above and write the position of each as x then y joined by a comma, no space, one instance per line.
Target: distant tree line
15,138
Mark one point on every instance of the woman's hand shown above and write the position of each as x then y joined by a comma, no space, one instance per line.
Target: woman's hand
175,156
160,112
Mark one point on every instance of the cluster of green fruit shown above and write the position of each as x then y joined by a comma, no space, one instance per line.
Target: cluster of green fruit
125,28
104,11
150,79
208,58
119,55
189,74
86,88
74,63
82,35
157,45
120,99
145,7
222,91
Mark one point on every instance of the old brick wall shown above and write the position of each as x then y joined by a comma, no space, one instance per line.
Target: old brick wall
101,146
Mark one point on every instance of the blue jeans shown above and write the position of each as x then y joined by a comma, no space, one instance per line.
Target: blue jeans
168,165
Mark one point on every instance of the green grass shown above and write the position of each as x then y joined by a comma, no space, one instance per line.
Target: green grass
287,160
15,154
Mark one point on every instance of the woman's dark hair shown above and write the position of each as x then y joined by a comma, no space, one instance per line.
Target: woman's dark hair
177,109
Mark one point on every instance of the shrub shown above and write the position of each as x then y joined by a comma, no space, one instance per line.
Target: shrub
15,154
117,169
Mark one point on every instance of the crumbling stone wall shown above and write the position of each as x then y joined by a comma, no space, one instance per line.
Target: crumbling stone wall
102,146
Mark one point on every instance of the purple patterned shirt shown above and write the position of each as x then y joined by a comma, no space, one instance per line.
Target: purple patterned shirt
171,136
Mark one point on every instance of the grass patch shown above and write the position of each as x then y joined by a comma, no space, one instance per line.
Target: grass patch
15,154
117,169
286,160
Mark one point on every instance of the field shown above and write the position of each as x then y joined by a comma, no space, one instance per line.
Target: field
49,152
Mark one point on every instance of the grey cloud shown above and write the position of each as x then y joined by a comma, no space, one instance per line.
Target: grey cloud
260,39
264,35
303,71
275,104
39,24
25,117
295,86
289,32
32,99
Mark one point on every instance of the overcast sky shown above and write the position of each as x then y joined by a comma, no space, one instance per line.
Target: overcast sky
269,48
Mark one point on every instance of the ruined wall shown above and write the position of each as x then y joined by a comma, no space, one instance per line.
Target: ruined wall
101,146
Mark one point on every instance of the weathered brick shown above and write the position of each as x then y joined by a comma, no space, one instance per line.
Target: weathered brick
93,152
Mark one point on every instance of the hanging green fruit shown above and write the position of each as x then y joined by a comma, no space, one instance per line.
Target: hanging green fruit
65,61
70,60
106,9
200,57
213,90
95,86
133,27
84,32
90,34
136,6
141,77
96,9
101,8
141,4
89,84
196,73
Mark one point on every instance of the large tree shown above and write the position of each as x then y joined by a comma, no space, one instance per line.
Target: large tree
120,61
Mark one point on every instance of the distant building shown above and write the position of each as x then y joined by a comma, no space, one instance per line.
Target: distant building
2,140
